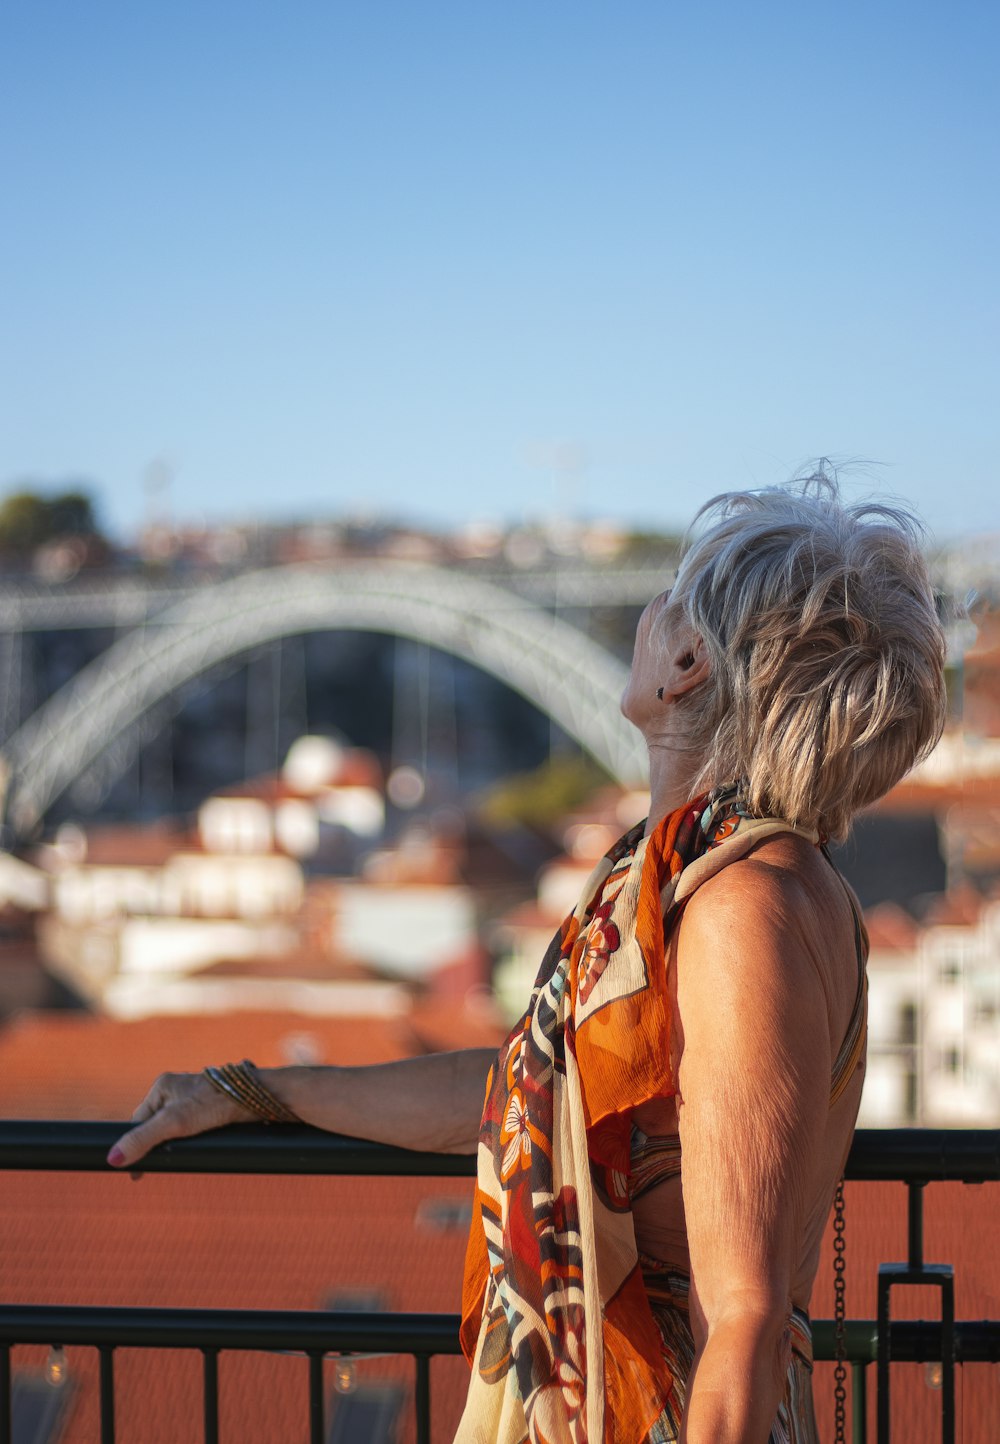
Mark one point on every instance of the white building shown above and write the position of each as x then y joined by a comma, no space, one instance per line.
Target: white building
934,1017
134,915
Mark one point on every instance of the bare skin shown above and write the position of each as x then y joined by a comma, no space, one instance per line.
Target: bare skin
763,972
433,1104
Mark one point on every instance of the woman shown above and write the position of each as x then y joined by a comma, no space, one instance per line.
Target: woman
665,1128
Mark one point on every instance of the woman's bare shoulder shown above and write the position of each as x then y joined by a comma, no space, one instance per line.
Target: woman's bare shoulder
782,882
784,911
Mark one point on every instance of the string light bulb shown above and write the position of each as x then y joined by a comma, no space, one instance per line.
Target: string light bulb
56,1366
934,1374
345,1376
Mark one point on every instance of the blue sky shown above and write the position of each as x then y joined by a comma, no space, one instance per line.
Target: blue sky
453,261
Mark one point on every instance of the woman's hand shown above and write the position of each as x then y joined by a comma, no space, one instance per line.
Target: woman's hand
432,1102
177,1106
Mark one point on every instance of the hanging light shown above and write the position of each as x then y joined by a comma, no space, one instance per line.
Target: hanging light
345,1376
56,1366
934,1374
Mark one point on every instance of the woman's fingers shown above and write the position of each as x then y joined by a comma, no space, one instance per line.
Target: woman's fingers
166,1088
145,1110
137,1142
177,1106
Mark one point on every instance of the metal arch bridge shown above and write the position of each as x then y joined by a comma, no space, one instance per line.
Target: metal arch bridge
90,719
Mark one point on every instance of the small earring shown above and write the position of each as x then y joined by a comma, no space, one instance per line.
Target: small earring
659,694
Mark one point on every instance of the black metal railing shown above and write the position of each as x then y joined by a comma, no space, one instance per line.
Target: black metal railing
913,1157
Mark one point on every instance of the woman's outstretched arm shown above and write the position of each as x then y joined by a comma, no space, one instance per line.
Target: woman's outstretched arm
754,1078
432,1103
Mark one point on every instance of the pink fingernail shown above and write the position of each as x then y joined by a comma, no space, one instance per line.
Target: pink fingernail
116,1157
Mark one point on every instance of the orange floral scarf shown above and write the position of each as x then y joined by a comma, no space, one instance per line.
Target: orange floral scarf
556,1324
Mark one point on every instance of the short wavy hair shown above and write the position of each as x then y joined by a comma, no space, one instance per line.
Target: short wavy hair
827,654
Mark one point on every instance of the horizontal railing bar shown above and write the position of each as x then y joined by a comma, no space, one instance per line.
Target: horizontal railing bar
241,1148
299,1331
908,1155
277,1330
977,1341
925,1155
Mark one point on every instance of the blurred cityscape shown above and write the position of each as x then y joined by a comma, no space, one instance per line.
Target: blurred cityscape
337,813
321,793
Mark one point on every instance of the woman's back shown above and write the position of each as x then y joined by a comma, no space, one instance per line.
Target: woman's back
789,880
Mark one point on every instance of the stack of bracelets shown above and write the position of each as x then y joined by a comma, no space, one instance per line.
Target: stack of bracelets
241,1082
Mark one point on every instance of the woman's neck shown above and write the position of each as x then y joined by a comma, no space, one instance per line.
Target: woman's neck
671,779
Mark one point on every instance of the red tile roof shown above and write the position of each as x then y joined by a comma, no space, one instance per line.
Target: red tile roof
359,768
916,795
79,1065
292,1243
306,962
193,1242
151,845
960,906
890,928
473,1021
230,1243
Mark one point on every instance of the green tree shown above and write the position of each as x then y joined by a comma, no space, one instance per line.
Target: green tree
24,521
29,519
543,797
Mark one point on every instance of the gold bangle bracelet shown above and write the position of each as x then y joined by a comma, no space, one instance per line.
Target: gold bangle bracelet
241,1082
220,1084
246,1082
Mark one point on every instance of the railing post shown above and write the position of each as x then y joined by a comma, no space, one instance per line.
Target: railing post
915,1225
316,1421
422,1398
916,1272
948,1358
107,1355
210,1358
6,1397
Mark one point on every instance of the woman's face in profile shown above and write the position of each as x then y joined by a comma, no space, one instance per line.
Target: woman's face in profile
652,646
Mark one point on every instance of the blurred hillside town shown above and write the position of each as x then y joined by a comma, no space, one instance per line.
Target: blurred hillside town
355,826
354,846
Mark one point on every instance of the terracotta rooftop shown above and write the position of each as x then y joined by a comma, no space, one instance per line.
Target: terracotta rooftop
443,1024
231,1243
890,928
914,795
151,845
359,768
960,906
305,962
81,1065
228,1242
296,1243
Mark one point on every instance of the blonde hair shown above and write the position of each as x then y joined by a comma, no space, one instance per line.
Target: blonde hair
827,656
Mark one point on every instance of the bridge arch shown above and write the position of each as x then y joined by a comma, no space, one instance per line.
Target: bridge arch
547,660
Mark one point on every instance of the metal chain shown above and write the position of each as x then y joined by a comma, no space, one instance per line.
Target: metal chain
840,1331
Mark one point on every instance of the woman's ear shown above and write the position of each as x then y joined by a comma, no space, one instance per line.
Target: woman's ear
688,666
